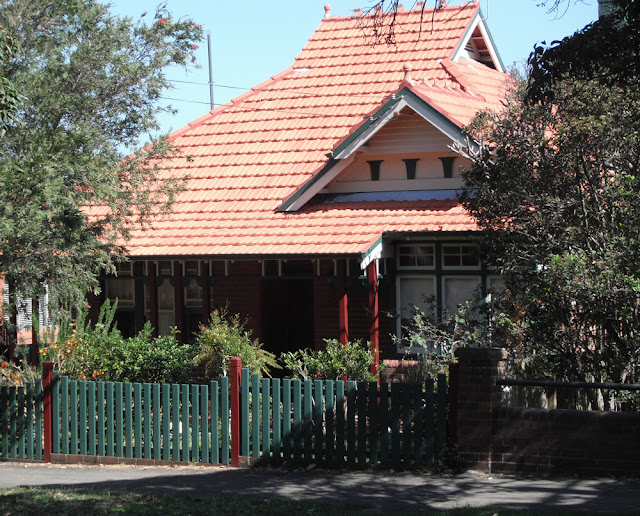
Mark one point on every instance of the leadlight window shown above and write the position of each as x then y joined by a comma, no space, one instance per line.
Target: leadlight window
416,256
460,256
121,287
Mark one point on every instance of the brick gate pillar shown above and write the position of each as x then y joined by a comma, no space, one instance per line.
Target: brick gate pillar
477,396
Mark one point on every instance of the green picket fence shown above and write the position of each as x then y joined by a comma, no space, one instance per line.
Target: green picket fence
337,422
21,432
325,422
186,423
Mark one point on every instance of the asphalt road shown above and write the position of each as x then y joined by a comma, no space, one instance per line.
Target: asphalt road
389,492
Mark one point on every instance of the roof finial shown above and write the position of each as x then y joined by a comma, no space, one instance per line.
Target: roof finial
327,10
407,71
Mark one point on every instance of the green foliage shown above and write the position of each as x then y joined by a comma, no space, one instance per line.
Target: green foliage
476,323
18,374
225,337
557,193
605,51
90,82
10,98
100,352
334,362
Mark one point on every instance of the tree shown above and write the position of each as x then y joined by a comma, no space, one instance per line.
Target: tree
555,186
76,172
607,51
9,96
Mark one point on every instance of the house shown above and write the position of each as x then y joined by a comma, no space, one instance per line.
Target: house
322,202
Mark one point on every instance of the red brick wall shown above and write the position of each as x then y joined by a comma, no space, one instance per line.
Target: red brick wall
477,395
325,301
565,441
242,294
520,440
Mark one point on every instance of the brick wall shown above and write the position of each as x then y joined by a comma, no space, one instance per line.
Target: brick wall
565,441
505,439
477,394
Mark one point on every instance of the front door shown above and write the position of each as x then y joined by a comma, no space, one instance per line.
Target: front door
287,314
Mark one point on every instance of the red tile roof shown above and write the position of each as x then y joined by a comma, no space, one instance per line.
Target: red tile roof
249,155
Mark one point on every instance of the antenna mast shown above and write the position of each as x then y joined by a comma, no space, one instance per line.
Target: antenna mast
210,69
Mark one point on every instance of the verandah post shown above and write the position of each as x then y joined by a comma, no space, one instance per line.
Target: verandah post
234,372
374,329
47,384
343,306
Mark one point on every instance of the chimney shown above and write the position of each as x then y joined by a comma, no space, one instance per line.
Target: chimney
606,8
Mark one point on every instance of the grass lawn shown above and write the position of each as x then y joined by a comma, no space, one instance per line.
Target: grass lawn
36,501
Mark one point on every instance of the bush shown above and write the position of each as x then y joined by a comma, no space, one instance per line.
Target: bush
353,360
225,337
19,375
100,352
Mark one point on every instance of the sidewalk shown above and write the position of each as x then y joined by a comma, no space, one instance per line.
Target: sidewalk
388,491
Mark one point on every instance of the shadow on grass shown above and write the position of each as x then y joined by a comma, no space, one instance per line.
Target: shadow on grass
265,491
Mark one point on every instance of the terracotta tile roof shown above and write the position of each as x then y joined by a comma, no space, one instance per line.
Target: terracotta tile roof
249,155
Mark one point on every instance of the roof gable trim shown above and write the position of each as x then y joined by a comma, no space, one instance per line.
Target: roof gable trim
478,21
304,194
404,98
344,153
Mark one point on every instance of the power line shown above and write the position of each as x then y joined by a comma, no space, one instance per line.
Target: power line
245,108
302,94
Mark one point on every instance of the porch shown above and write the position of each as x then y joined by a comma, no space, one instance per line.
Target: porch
290,303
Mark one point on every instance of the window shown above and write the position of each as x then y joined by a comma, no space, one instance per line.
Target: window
416,256
121,287
193,292
460,256
457,290
412,292
164,269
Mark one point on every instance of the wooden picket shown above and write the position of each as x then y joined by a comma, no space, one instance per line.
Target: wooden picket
186,423
327,422
337,422
21,421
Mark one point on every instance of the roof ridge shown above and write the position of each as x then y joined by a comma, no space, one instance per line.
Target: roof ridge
457,74
256,90
464,5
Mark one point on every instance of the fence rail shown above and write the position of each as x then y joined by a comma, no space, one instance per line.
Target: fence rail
578,385
319,421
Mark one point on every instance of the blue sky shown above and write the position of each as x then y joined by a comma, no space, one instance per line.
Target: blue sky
255,39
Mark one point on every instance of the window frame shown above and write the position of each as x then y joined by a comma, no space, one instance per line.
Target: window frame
477,266
399,305
415,245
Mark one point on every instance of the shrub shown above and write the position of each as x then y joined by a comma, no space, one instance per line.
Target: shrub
20,374
225,337
353,360
100,352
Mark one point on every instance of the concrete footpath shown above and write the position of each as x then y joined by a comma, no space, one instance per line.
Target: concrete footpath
388,492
